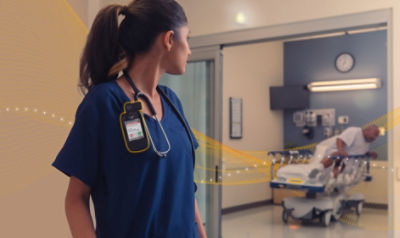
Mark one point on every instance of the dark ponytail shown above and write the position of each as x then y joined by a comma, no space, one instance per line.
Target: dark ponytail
110,49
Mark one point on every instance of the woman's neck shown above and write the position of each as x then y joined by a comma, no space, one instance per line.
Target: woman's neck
146,72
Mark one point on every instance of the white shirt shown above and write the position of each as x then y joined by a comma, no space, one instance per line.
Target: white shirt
353,138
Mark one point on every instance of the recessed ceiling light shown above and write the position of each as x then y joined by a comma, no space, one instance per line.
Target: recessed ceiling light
240,18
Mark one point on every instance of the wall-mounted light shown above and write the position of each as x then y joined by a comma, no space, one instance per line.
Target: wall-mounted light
344,85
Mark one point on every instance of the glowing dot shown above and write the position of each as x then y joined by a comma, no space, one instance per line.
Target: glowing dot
374,165
229,174
7,109
238,171
35,110
70,123
264,163
53,115
247,169
62,119
383,167
44,112
26,109
255,166
382,131
220,177
211,179
202,181
294,227
240,18
17,109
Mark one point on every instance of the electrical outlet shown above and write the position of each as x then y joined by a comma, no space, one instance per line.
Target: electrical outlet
343,120
315,117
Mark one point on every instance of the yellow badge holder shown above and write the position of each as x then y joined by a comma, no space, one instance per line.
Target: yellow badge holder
136,135
134,128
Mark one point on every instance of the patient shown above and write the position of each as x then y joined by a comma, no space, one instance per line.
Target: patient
352,141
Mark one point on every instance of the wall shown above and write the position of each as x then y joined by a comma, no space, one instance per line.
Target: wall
376,191
314,60
210,16
81,8
248,72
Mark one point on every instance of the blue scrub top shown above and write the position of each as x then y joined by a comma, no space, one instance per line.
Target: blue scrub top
134,195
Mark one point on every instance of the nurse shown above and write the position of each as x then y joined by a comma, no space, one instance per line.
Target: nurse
147,192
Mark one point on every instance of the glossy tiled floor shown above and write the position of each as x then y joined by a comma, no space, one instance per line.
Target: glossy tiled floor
266,222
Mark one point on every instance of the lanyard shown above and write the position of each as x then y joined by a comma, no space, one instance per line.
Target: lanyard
153,111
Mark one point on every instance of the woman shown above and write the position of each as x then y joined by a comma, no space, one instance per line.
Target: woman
136,192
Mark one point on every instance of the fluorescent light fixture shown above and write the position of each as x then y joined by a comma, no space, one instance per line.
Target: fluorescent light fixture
344,85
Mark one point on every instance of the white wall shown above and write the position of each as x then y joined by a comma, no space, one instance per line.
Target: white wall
248,72
375,191
210,16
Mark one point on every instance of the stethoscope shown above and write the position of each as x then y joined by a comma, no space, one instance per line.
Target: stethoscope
139,94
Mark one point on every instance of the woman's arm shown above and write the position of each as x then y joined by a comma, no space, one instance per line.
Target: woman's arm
77,209
200,227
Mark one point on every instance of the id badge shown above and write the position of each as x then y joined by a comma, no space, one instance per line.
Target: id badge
134,128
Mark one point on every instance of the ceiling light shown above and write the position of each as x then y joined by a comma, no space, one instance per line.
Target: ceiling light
240,18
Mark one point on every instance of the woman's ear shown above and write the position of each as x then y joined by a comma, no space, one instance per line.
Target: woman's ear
168,39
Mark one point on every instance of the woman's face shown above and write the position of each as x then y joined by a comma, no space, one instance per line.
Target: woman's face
180,52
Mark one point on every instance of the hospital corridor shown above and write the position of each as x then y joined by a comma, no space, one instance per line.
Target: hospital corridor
285,115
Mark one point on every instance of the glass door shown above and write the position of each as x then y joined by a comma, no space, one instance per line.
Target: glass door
200,92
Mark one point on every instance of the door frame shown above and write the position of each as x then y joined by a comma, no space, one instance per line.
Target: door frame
213,193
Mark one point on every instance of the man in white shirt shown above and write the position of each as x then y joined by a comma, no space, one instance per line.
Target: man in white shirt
352,141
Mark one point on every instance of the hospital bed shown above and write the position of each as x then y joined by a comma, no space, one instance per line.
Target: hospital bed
326,194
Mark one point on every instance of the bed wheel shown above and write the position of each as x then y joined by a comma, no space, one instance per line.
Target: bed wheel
359,208
326,218
336,216
285,216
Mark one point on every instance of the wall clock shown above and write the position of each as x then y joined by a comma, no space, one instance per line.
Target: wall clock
344,62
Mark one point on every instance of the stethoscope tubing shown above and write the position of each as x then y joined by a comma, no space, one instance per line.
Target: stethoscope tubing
139,94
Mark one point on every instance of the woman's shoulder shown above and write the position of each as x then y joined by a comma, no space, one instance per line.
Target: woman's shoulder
173,97
99,95
101,90
169,92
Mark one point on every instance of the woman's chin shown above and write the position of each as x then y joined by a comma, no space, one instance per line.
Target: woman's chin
177,72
